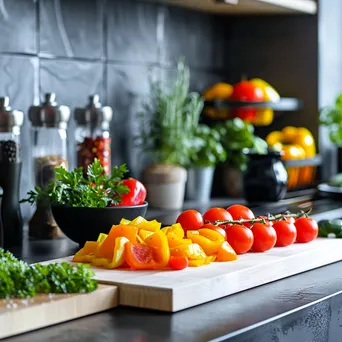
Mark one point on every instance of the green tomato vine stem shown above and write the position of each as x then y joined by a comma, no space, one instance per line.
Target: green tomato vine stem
269,217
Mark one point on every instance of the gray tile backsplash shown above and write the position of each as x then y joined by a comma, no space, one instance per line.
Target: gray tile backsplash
111,47
18,23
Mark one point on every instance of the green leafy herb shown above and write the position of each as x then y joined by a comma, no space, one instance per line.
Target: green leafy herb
331,117
21,280
207,149
169,120
98,190
238,135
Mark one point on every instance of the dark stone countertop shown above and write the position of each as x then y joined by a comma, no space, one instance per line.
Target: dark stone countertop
304,307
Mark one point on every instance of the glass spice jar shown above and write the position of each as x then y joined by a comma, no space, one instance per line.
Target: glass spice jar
11,224
92,134
49,151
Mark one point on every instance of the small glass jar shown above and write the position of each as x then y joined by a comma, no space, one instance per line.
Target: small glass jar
49,151
49,139
92,134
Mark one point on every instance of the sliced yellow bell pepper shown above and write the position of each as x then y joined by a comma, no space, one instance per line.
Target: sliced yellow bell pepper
125,221
192,251
152,226
175,241
175,228
211,234
102,237
119,253
226,253
209,247
144,234
201,262
87,253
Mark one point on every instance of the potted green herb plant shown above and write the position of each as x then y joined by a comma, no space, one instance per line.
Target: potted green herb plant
237,136
167,126
206,153
331,118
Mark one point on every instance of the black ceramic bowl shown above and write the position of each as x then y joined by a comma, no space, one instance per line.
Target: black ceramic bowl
85,224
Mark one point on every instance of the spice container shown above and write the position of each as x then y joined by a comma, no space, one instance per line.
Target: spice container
10,173
92,134
49,151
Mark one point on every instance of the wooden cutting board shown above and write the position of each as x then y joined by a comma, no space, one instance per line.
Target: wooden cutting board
19,316
176,290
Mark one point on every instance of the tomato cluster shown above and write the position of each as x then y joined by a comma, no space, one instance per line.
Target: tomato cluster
245,236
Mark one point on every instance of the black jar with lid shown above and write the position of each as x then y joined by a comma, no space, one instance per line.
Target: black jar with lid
10,173
265,179
49,151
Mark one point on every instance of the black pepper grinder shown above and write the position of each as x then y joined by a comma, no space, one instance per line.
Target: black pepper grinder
10,173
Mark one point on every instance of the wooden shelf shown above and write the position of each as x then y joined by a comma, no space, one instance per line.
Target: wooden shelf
256,7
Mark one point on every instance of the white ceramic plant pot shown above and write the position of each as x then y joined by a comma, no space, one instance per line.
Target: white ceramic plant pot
165,185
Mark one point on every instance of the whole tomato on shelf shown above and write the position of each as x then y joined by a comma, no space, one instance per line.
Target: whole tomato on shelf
265,237
190,220
286,233
239,211
136,195
307,229
246,91
240,238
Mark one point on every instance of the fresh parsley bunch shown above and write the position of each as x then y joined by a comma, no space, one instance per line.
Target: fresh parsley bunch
21,280
97,190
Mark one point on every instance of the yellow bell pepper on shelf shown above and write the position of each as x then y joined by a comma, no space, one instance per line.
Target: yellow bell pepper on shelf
219,91
264,116
295,143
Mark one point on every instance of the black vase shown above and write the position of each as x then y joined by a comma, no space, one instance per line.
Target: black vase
265,179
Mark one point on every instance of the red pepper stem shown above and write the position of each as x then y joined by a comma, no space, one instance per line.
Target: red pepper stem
269,217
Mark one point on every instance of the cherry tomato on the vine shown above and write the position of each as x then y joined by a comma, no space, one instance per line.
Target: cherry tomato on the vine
240,238
238,211
286,233
267,222
216,214
190,220
265,237
216,228
307,229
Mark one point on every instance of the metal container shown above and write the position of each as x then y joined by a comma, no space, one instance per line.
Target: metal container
92,134
199,184
10,173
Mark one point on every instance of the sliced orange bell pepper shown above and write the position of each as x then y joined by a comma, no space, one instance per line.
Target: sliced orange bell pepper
119,253
175,241
211,234
140,257
226,253
158,241
87,253
106,249
192,251
209,247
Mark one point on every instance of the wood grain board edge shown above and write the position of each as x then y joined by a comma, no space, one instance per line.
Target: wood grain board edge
235,282
68,307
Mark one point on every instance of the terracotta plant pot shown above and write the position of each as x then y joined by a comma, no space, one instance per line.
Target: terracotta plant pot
165,185
232,182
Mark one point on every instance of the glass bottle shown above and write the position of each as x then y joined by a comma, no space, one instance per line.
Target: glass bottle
92,134
49,151
11,227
